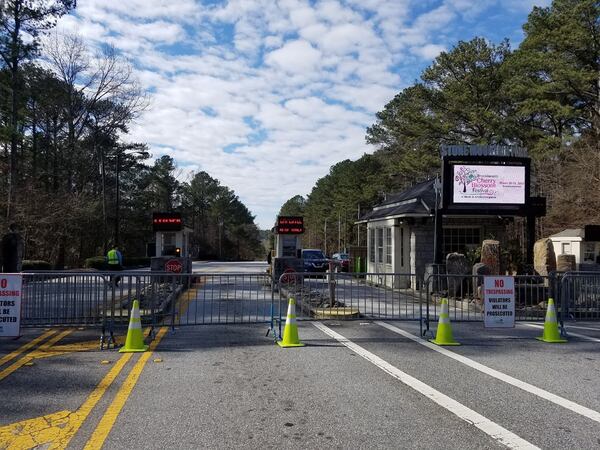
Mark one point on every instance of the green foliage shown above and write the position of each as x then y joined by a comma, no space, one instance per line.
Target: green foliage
556,68
223,226
295,206
95,262
544,96
34,264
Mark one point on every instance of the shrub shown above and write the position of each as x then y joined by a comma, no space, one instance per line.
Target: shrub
34,264
136,261
95,262
99,262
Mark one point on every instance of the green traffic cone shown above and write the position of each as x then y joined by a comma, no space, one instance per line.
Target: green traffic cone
443,334
551,333
135,336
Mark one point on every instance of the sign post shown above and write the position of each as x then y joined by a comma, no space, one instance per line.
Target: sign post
499,302
10,305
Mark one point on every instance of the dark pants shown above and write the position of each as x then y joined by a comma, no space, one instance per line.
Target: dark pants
115,268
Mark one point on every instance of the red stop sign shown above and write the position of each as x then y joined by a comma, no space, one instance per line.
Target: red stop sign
173,265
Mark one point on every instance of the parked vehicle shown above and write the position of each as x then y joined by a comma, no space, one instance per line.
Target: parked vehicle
314,260
341,261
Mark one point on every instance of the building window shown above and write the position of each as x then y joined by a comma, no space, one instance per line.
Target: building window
461,240
566,248
589,252
371,232
388,246
379,245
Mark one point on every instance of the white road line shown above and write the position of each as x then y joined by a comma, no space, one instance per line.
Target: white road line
579,327
577,335
556,399
490,428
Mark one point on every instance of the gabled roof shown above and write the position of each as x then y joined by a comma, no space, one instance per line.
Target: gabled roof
570,233
419,201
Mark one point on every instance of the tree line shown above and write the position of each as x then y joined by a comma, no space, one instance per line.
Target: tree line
543,95
68,177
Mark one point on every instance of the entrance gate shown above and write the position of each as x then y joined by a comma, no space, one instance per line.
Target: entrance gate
96,299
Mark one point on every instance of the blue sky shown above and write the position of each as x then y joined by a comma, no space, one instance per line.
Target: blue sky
265,95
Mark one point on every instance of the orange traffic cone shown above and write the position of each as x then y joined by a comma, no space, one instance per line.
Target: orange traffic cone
290,332
135,337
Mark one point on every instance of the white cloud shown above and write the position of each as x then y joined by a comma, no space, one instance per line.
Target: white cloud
429,51
295,56
266,95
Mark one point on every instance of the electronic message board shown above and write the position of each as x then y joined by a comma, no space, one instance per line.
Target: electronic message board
495,184
167,222
486,185
290,225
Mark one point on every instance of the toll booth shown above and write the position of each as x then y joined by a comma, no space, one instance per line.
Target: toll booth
172,244
288,244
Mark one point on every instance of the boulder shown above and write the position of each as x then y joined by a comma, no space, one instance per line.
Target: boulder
479,271
490,255
566,263
457,267
544,259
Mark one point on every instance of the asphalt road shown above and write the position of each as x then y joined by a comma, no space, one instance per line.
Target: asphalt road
229,386
356,384
229,267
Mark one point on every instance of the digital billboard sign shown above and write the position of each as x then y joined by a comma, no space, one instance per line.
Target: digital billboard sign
166,222
488,184
290,225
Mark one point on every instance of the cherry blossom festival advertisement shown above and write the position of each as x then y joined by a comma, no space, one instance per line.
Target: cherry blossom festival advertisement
489,184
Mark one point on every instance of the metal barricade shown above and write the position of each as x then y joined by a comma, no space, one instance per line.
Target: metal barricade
348,296
85,298
580,295
466,302
104,299
224,298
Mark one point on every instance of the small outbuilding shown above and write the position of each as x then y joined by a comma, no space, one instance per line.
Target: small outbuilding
401,234
583,243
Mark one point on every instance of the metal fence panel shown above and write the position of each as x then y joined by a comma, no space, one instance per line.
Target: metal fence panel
580,295
105,298
465,296
95,299
348,296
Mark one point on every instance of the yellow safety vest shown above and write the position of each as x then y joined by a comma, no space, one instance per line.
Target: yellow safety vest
113,258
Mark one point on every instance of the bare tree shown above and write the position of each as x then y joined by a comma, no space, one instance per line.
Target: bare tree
102,93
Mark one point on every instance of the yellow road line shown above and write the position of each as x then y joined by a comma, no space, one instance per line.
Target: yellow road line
64,437
25,347
110,416
32,355
57,350
186,298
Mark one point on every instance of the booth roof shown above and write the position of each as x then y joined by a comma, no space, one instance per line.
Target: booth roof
419,201
570,233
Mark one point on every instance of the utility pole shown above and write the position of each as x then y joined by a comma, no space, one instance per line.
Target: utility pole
339,233
358,226
325,239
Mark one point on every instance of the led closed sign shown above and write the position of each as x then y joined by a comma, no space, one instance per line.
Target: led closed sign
488,184
290,225
166,222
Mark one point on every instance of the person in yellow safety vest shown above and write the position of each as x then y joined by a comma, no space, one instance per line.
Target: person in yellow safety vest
115,262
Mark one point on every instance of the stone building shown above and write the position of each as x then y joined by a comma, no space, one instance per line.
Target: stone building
401,235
